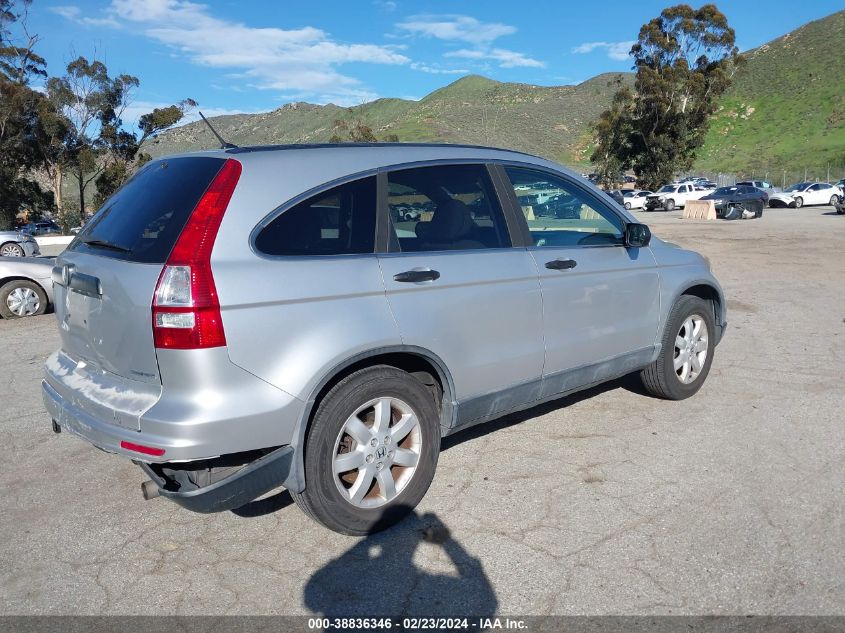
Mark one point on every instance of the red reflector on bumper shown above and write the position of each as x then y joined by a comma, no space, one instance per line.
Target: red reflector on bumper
139,448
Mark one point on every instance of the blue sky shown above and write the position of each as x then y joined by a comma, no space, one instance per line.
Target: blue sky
255,55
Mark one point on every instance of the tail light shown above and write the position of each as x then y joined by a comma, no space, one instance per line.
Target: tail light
186,309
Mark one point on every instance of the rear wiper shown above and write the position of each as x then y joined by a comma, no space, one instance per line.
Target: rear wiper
106,244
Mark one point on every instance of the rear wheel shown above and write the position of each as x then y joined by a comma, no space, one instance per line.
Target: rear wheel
10,249
670,205
628,206
834,200
371,451
799,202
686,352
21,298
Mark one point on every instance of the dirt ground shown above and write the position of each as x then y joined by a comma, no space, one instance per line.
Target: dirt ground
607,502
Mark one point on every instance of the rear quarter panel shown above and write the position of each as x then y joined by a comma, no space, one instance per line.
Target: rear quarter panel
291,320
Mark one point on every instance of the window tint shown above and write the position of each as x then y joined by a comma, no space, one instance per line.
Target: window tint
450,207
339,221
560,214
143,219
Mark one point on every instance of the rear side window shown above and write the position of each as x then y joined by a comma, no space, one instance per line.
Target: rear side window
143,219
444,208
340,221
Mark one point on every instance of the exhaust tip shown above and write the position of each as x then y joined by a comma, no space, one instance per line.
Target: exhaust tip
149,489
56,427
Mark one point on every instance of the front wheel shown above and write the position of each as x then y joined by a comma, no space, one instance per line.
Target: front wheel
10,249
628,206
799,202
686,352
22,298
370,451
834,200
670,205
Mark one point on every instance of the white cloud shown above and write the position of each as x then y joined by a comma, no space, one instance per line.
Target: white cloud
302,60
74,14
386,5
462,28
436,69
505,58
615,50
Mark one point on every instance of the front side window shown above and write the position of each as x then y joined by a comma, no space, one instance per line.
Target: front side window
443,208
340,221
560,214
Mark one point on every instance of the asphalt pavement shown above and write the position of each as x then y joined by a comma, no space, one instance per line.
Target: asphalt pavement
606,502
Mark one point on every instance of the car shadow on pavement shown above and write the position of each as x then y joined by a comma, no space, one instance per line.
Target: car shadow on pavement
378,576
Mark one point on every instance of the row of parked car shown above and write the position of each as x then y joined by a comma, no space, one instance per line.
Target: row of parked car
677,194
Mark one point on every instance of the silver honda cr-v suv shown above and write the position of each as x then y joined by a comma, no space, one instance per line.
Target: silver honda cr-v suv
318,317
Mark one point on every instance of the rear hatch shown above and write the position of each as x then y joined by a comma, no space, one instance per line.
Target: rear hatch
106,279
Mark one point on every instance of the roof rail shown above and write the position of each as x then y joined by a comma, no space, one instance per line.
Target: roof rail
273,148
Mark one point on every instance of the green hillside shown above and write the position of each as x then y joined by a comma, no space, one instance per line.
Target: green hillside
785,110
549,121
786,107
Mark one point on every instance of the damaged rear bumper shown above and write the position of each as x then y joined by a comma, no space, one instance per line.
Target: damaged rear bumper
233,491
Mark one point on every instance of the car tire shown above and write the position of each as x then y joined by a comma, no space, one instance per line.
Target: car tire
22,298
834,200
628,206
799,202
10,249
353,502
665,377
670,205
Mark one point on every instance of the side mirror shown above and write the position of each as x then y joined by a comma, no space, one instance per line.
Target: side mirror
637,235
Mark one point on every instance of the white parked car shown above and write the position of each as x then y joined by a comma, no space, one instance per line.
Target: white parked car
803,193
670,197
635,198
762,185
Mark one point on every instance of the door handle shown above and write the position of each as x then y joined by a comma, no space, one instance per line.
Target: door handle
561,264
415,276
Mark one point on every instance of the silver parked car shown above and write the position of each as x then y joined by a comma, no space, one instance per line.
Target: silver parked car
26,286
238,320
18,244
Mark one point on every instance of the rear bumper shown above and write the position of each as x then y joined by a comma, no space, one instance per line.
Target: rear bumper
249,483
210,407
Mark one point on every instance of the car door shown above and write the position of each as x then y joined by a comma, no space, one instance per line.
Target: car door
824,192
600,299
459,289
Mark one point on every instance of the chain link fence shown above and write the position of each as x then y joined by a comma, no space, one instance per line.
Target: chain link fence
779,176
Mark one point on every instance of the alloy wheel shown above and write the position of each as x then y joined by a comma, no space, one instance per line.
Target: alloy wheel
11,250
376,452
691,348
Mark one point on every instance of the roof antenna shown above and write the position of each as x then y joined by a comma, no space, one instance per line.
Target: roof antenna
223,144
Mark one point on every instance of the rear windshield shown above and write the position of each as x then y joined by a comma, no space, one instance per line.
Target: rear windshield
143,219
